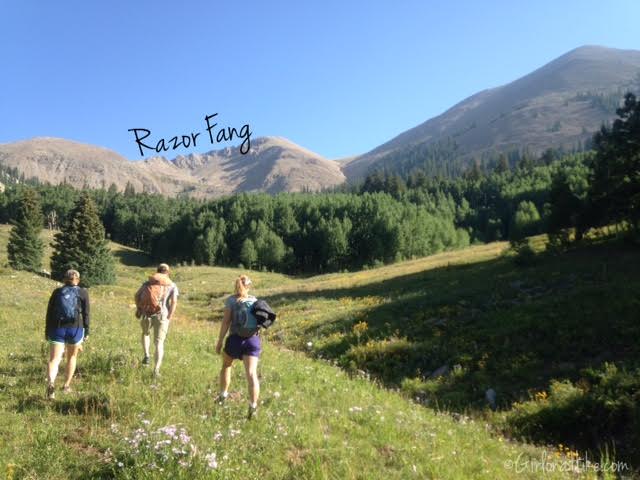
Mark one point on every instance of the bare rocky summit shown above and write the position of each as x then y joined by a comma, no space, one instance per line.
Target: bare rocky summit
272,165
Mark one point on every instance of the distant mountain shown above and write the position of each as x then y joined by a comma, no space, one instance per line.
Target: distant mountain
272,165
560,105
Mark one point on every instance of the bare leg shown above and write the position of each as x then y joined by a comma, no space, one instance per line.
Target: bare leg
225,372
251,369
72,356
55,356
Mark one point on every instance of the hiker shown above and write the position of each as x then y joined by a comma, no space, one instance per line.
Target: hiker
156,302
67,325
243,343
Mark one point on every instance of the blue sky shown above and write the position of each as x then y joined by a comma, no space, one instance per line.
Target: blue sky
336,77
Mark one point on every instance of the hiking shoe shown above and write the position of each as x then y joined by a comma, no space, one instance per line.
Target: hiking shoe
51,392
221,399
146,361
252,413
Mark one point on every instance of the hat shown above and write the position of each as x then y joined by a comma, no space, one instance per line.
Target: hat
163,268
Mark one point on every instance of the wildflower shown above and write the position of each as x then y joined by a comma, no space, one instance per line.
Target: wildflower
212,463
217,436
169,430
276,394
309,344
355,409
184,438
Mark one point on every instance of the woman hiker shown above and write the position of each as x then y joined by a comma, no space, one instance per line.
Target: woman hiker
67,324
243,343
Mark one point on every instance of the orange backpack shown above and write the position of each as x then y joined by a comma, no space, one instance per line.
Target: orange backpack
151,295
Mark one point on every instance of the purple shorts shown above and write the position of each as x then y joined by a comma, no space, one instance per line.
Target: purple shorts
237,346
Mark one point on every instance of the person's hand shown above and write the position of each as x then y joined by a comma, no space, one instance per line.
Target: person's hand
219,348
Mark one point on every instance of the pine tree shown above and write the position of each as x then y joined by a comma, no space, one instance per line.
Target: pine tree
503,164
25,248
615,184
81,245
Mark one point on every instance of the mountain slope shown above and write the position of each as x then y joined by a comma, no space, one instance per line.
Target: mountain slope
559,105
273,165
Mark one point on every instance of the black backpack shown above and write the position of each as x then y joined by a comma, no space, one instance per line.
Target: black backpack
263,313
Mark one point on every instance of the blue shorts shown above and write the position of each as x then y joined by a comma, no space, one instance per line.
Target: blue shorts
68,335
237,346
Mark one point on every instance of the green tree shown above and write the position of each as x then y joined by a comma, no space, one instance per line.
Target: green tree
502,165
209,246
81,245
615,185
248,253
25,248
526,221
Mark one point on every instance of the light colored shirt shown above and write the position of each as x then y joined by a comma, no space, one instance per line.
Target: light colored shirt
169,299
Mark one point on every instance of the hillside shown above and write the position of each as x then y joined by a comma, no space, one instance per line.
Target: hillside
315,421
559,105
272,165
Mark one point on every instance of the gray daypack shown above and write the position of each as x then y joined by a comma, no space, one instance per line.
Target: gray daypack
243,321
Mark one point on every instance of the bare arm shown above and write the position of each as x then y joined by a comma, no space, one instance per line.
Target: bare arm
174,304
224,328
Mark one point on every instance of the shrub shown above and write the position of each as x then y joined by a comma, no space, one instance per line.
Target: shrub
602,407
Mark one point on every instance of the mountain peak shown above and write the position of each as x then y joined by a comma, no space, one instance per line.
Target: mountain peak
559,105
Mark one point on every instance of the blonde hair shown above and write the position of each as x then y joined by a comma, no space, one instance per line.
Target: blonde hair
242,286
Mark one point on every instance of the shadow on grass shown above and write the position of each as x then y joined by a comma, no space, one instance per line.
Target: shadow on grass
93,404
133,258
104,472
489,324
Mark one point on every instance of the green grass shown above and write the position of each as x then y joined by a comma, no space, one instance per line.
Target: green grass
316,419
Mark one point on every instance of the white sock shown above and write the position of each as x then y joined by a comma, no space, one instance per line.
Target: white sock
224,394
253,405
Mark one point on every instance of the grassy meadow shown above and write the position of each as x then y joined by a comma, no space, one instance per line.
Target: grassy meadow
345,373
